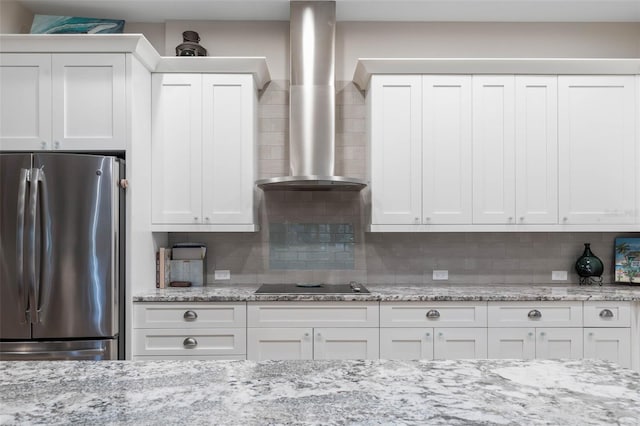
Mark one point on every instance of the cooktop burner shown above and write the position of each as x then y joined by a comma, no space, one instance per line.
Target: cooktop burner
312,288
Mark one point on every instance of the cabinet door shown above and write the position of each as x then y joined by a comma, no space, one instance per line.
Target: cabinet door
460,343
597,166
346,343
610,344
493,150
406,343
559,343
536,149
228,139
89,102
446,149
25,109
512,343
396,149
176,149
279,343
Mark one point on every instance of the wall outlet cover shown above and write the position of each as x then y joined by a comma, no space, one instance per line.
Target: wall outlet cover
558,275
222,274
440,274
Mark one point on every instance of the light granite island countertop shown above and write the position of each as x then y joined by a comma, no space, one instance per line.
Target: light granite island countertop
501,392
402,292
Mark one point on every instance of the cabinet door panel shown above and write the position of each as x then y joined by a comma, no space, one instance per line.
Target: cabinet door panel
219,341
512,343
279,343
192,315
396,153
536,149
25,121
597,148
555,343
446,152
176,157
610,344
406,343
346,343
493,149
89,101
460,343
227,148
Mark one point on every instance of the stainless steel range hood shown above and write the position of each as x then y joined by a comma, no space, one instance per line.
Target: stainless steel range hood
312,102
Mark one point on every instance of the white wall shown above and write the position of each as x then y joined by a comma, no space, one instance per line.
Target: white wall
407,39
14,18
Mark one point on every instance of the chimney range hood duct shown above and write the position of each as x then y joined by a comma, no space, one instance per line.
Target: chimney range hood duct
312,102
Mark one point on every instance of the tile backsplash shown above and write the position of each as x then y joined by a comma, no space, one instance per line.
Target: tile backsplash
289,249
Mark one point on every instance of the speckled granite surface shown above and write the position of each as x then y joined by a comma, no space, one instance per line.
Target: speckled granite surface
504,392
396,292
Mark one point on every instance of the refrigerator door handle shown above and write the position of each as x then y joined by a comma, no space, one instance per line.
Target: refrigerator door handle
44,283
23,296
31,243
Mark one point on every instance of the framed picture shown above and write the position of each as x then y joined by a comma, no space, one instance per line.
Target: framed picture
49,24
627,252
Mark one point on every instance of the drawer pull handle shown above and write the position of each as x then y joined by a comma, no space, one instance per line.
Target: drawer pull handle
433,314
190,316
606,313
190,342
534,314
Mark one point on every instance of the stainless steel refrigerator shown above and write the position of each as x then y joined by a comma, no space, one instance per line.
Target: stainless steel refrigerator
60,256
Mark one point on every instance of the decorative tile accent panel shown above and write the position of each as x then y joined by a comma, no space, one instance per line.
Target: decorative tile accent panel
306,246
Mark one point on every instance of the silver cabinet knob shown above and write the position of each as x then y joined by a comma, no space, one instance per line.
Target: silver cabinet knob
416,220
427,334
207,218
606,313
591,334
542,334
564,219
195,218
521,218
530,334
306,334
319,336
43,145
189,343
534,314
427,219
56,145
440,334
190,316
510,218
433,314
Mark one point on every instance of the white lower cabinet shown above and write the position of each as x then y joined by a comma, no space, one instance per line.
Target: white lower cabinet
607,334
313,330
189,331
541,343
459,330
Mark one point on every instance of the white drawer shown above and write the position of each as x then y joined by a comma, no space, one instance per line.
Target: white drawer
433,314
607,314
535,314
187,357
220,341
313,314
190,315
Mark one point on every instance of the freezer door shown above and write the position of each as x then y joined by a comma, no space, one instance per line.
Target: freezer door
76,286
95,350
14,302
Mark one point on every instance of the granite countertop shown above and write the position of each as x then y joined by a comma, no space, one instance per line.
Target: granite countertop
400,292
319,392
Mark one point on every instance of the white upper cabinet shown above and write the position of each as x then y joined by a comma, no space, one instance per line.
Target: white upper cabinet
536,124
25,121
493,149
228,128
597,148
395,104
70,102
203,153
446,149
176,155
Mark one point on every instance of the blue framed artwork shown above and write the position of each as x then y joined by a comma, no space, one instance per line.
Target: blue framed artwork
49,24
627,251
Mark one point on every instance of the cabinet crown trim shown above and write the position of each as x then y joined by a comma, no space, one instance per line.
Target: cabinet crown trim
366,67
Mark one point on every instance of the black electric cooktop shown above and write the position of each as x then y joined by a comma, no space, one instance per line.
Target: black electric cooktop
312,288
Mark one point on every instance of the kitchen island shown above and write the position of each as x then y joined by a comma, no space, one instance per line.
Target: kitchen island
319,392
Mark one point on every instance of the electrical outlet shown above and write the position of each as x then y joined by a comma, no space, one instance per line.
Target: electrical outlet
222,274
441,274
558,275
